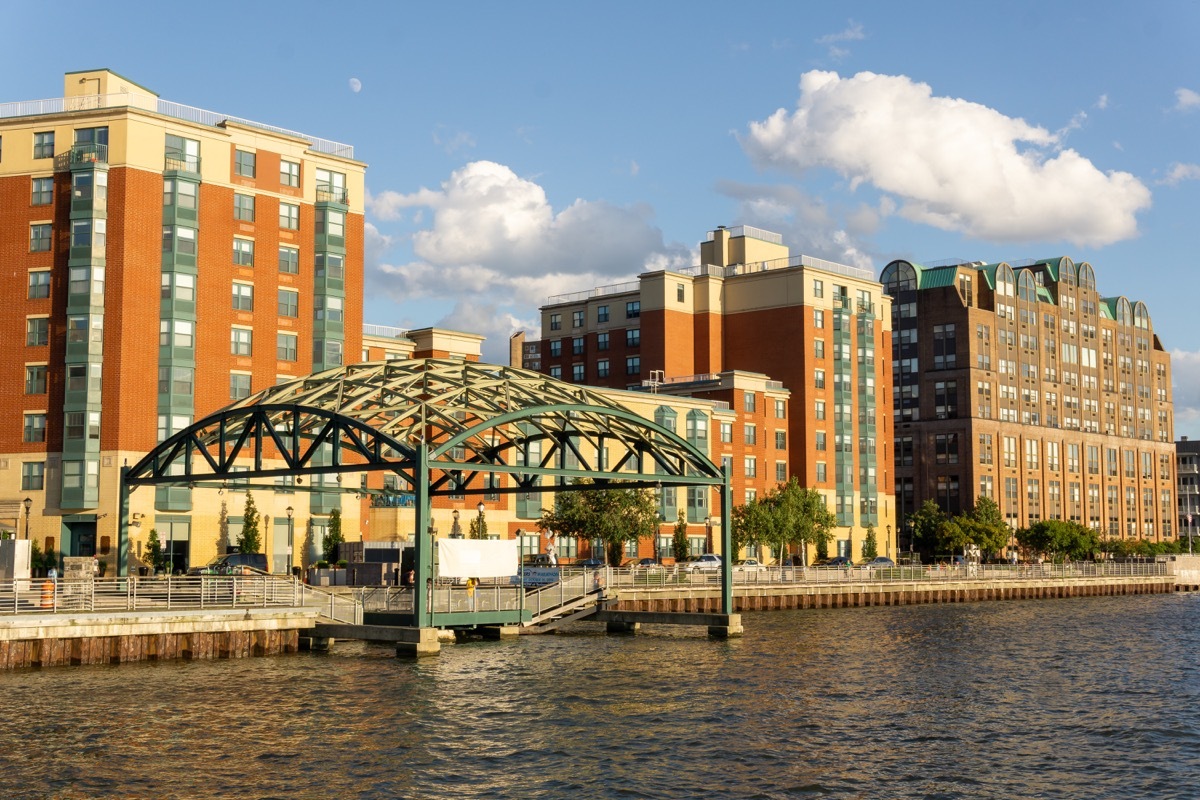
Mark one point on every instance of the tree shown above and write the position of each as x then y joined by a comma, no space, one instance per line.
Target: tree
223,529
250,540
924,524
614,516
679,542
333,536
155,556
789,515
870,547
1060,539
478,527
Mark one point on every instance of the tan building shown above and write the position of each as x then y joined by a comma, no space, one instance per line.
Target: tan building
162,260
1024,384
821,330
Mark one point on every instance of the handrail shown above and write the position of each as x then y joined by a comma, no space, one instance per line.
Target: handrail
135,593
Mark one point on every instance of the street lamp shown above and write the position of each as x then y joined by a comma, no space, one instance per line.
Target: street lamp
708,542
28,503
479,530
455,528
290,512
889,541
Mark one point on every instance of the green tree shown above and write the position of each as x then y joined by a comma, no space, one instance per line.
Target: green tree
1060,539
870,547
924,523
155,556
478,528
804,518
614,516
251,540
223,529
333,536
679,542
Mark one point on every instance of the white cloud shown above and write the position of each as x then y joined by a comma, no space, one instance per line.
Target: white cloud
634,168
852,33
1186,100
1101,102
1181,172
494,239
950,163
452,141
355,85
1185,379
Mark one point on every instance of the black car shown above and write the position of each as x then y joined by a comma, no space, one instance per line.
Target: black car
232,564
592,563
836,561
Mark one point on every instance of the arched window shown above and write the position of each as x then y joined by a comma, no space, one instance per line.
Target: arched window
1026,288
1124,312
1141,316
898,276
1087,278
1066,272
1005,282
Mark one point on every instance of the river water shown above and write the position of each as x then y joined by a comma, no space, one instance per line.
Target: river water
1081,698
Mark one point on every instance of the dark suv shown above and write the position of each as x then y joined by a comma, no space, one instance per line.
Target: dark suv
232,564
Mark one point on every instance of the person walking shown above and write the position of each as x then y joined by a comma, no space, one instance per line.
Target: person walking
471,582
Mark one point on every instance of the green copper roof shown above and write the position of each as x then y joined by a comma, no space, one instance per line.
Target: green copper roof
1108,307
935,277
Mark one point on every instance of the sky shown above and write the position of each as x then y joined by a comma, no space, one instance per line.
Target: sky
521,150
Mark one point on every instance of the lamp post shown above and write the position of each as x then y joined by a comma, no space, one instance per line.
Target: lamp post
455,528
889,541
28,503
479,530
708,542
290,512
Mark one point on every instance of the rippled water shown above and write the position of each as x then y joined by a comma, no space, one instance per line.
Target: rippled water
1085,698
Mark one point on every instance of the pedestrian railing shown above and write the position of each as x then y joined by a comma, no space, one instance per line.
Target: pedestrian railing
336,606
133,593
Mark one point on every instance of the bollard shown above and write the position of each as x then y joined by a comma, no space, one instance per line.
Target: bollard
48,594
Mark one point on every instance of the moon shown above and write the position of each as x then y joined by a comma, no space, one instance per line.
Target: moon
355,85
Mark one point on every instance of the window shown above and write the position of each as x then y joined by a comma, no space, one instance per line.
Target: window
243,207
751,467
243,252
243,163
577,346
176,380
289,173
750,434
39,238
679,293
780,409
37,331
32,475
602,368
43,192
633,365
184,286
985,448
180,240
556,372
633,337
239,386
577,319
286,346
243,297
35,379
819,409
945,399
781,440
946,448
289,216
35,428
601,313
818,348
726,432
602,341
39,284
748,402
181,194
822,472
577,374
289,304
43,144
820,440
818,288
556,348
633,309
818,318
328,308
556,322
240,341
289,260
330,222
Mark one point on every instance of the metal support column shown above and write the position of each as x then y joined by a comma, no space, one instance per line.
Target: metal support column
423,543
123,526
727,553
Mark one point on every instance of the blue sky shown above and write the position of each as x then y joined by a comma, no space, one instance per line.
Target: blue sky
521,150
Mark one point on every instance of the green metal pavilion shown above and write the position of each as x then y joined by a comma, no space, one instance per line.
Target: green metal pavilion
442,425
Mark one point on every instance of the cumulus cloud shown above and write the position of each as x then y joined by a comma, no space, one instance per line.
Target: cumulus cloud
1185,377
953,164
493,234
1186,100
1181,172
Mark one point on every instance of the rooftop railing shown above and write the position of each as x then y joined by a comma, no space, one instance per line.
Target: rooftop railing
60,105
385,331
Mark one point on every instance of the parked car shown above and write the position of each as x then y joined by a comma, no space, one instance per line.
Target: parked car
232,564
538,560
649,565
836,561
749,565
709,562
877,561
592,563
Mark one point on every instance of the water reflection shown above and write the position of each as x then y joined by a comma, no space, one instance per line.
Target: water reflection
1057,699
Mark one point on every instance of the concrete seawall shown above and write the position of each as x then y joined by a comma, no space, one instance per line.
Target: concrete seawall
76,639
786,597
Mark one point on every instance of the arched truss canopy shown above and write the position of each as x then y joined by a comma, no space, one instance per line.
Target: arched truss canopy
476,420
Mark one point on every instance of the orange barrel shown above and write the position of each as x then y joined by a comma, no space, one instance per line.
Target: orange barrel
48,594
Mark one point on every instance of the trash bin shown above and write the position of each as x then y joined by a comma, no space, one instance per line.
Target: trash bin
143,571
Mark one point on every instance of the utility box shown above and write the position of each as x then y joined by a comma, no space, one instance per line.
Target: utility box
14,559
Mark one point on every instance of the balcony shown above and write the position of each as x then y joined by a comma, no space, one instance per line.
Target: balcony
82,156
175,161
331,194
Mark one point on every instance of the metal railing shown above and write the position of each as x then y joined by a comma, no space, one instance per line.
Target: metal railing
334,606
49,595
59,105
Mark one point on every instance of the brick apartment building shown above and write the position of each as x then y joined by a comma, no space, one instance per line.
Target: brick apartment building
817,329
162,260
1024,384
